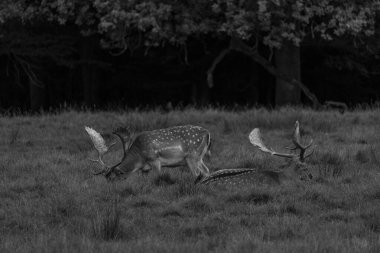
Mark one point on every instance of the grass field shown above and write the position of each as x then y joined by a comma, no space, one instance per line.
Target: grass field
50,202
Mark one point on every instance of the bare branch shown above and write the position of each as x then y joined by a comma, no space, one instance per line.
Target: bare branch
27,69
217,60
241,46
342,107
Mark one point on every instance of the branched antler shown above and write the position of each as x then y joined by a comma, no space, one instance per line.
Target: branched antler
100,146
123,142
298,145
255,139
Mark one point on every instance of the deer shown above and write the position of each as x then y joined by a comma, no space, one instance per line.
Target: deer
168,147
296,169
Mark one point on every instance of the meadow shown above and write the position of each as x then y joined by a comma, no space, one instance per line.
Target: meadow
50,201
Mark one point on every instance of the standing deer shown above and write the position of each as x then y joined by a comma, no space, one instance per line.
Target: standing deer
248,176
154,149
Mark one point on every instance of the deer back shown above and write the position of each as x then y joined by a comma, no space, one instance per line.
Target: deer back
241,177
180,139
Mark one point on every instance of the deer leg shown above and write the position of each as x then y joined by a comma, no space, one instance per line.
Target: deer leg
156,165
204,169
196,168
192,164
204,151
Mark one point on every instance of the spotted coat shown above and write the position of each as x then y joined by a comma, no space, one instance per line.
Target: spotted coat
241,177
166,147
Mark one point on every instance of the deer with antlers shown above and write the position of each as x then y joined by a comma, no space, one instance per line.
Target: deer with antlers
249,176
155,149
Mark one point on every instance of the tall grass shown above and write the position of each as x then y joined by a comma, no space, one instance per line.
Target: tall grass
50,202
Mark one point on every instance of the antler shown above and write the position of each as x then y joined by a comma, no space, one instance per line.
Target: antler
123,142
255,139
100,145
298,145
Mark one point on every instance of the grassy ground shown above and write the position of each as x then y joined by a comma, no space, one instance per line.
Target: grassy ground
50,202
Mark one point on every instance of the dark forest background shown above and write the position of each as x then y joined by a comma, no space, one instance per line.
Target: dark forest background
45,63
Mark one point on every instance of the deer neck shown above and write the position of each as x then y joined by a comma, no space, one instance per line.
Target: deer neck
132,161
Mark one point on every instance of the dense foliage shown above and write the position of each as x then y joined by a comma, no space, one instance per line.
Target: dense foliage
129,25
156,22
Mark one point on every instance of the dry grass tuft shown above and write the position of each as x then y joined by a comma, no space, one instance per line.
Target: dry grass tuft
106,224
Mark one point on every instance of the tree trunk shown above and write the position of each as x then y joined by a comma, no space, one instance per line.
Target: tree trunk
200,93
254,84
241,46
288,62
36,96
194,93
69,86
205,93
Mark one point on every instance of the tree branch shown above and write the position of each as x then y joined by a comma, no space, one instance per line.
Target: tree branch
217,60
241,46
27,69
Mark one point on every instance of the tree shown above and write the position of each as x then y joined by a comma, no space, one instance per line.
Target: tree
280,25
29,42
27,49
284,25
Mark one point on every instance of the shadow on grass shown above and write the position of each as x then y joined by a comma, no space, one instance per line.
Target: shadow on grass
197,204
164,179
254,196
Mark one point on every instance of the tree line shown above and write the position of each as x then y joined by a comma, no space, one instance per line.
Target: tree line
133,52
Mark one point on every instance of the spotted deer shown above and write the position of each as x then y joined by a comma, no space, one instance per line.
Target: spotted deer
154,149
296,168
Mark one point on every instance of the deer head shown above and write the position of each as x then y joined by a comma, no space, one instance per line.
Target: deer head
299,167
101,147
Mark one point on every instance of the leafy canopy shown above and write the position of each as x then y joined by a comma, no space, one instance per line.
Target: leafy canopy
132,23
